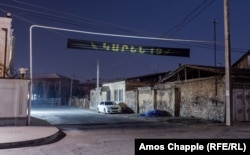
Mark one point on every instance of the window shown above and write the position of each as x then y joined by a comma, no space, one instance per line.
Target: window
120,95
116,95
109,103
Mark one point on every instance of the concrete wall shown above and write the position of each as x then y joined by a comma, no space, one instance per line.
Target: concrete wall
14,101
93,99
165,100
131,100
146,98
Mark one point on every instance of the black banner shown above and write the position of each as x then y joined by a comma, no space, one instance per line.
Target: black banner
114,47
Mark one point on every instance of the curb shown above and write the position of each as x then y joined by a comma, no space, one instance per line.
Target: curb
35,142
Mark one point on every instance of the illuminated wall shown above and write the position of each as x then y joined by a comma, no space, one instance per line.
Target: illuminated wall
6,44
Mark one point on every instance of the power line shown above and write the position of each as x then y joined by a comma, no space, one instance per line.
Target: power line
72,21
191,16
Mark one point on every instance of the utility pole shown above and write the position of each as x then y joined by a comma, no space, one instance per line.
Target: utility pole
227,64
97,83
215,57
71,88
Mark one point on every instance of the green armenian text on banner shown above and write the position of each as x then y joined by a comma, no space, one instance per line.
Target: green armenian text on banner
115,47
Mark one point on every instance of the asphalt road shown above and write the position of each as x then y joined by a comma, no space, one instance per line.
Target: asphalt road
100,134
71,116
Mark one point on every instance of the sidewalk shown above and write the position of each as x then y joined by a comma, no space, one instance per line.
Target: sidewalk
39,133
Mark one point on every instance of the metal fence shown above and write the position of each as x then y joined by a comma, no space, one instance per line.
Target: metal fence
50,102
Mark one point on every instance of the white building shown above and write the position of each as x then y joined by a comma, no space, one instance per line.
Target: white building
14,92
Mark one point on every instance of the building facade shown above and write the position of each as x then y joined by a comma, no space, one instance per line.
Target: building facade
6,45
195,91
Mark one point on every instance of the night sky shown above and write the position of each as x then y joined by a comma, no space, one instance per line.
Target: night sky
189,23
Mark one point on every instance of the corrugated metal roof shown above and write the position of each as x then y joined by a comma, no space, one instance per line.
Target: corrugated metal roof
198,71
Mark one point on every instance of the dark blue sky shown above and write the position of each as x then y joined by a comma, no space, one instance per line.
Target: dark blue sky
174,19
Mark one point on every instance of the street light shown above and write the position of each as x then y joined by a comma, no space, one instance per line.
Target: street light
31,57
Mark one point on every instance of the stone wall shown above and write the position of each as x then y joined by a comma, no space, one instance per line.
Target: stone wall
198,99
191,98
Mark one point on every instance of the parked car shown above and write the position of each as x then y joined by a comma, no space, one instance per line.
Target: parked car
108,107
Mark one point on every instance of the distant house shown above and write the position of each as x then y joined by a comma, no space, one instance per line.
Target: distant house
54,89
199,91
85,88
116,90
243,62
189,91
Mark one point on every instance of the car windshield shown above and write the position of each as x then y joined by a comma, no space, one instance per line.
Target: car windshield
109,103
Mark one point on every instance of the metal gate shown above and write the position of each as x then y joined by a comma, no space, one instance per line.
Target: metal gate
241,104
